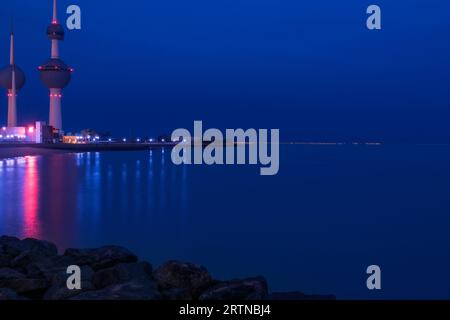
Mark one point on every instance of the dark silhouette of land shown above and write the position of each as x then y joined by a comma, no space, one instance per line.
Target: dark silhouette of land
20,150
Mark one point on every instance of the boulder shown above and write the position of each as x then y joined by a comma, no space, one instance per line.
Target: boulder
8,274
132,290
247,289
182,275
101,258
9,246
298,296
13,246
123,272
176,294
19,283
33,288
8,294
58,289
4,258
35,265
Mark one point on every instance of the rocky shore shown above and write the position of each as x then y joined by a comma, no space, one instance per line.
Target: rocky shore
33,269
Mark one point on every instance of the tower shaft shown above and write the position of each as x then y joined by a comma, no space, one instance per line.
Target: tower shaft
55,117
55,49
12,93
12,109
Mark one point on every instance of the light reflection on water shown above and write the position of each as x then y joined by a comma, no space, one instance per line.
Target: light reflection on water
20,202
66,197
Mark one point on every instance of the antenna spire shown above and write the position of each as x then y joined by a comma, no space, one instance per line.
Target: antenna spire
11,55
55,18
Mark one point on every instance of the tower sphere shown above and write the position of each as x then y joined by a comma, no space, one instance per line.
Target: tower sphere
55,74
55,32
6,77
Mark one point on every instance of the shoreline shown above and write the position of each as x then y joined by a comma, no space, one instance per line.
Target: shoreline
32,269
9,151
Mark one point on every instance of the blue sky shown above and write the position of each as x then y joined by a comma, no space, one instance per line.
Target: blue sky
310,68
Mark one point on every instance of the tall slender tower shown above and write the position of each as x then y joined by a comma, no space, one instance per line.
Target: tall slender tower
12,79
12,98
55,74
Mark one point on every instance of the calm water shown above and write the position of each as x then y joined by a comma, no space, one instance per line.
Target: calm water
331,212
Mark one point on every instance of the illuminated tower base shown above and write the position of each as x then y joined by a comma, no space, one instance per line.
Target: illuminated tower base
55,109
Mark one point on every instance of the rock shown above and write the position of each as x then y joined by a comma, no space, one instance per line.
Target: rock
40,266
33,269
8,274
101,258
9,246
16,281
8,294
132,290
33,288
247,289
298,296
190,277
13,246
122,272
4,260
176,294
59,290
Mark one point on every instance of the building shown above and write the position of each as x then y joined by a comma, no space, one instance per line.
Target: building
55,74
12,78
18,134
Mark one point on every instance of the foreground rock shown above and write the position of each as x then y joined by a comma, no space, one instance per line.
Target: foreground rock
32,269
100,258
247,289
13,247
186,279
58,288
8,294
131,290
298,296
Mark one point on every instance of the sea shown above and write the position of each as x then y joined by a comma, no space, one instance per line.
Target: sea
330,213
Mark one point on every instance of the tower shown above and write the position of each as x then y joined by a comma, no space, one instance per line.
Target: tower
12,78
55,74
